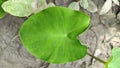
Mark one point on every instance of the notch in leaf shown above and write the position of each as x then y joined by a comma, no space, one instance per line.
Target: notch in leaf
51,34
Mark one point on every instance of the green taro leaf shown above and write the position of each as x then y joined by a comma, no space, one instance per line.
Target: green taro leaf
51,34
2,13
114,61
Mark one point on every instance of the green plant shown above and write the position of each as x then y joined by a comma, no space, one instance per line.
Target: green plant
55,39
2,13
51,35
114,60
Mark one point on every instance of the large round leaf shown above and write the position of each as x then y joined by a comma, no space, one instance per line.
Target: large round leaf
51,34
114,61
2,13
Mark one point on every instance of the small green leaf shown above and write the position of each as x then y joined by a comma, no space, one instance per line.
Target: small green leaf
114,61
2,13
18,8
23,8
51,34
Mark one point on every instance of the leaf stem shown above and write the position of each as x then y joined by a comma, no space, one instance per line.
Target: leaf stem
100,60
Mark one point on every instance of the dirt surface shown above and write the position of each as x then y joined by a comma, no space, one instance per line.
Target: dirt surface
101,37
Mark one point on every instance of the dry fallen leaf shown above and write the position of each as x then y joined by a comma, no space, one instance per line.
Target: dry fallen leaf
74,6
40,5
50,4
92,7
88,5
106,7
84,4
116,2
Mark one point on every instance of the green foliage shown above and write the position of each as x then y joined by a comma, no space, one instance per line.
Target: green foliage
2,13
51,34
110,59
114,61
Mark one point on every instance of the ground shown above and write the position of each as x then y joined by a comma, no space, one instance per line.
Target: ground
102,35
